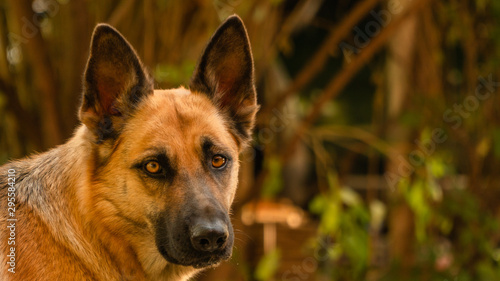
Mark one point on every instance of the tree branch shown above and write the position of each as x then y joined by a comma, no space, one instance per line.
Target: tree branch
318,61
339,82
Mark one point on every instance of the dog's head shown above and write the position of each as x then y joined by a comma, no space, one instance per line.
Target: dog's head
165,162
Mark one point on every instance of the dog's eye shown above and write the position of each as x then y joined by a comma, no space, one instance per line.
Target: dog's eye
218,161
152,167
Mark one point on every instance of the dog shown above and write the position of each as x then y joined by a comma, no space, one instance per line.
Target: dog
143,189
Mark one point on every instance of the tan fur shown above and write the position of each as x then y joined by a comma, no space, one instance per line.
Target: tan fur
85,211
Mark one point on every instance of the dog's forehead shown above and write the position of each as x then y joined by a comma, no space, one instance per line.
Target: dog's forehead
176,118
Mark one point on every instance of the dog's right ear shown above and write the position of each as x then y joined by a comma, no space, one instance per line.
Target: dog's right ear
225,73
114,83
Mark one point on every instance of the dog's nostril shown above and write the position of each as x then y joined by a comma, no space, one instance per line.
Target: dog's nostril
221,240
209,238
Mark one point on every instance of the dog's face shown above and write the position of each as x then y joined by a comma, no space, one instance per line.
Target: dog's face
166,161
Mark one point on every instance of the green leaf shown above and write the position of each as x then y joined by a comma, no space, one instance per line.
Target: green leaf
435,190
332,209
268,265
350,197
378,212
437,167
274,182
331,218
318,204
354,240
418,202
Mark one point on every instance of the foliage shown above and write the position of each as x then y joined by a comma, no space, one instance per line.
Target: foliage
344,217
274,182
268,265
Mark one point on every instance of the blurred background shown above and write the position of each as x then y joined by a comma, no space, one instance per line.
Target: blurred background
377,150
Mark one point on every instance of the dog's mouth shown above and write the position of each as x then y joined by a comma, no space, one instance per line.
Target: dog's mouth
194,258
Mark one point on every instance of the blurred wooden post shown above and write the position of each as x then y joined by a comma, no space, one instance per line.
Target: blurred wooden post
270,214
269,237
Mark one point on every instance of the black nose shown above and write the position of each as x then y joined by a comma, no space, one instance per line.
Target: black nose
209,237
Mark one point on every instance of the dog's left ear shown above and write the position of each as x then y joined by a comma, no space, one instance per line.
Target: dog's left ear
225,73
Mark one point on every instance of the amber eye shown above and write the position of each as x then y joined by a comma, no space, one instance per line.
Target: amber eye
218,161
152,167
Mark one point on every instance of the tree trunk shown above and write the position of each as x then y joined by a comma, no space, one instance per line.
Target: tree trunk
31,37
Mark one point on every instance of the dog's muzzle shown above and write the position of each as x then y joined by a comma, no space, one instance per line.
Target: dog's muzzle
209,236
198,240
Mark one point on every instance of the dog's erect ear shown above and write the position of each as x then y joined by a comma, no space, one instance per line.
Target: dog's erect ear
114,83
225,73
